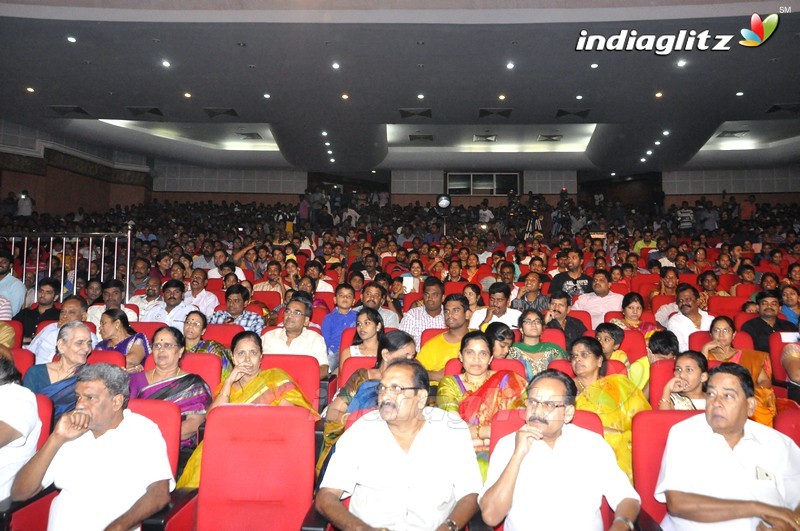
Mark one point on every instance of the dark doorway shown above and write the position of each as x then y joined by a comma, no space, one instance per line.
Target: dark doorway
635,191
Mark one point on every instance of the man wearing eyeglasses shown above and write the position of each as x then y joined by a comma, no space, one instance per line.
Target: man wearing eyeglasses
548,446
294,337
405,466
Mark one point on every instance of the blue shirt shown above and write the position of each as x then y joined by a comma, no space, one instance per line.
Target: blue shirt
332,326
14,290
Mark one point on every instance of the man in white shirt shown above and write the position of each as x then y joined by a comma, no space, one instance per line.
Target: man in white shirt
83,457
113,293
405,466
151,297
295,337
690,318
221,257
530,470
601,301
173,310
723,471
44,343
19,425
315,270
498,309
374,296
197,294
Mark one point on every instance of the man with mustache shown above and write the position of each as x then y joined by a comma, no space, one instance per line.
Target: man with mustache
769,305
384,462
173,310
558,317
690,318
548,446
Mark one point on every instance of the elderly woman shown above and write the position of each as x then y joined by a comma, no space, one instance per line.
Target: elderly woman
193,329
167,381
531,351
361,389
118,335
248,384
614,398
721,348
369,332
56,379
687,390
478,393
632,308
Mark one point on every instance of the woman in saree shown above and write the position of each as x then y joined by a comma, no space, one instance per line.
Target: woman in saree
614,398
470,270
361,390
248,384
193,329
632,308
118,335
167,381
56,379
369,332
478,393
721,348
531,351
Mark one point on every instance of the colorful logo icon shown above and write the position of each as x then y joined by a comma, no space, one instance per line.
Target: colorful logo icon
759,30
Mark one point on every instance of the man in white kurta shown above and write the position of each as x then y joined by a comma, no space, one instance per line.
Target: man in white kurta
552,474
720,461
690,318
405,466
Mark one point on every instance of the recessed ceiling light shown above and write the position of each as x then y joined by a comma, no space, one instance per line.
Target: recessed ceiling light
681,63
649,151
327,143
657,142
740,93
30,89
420,96
335,66
187,94
594,65
510,65
659,94
613,173
578,97
373,171
266,95
241,44
324,133
345,96
72,39
665,132
333,160
501,97
330,152
643,159
165,63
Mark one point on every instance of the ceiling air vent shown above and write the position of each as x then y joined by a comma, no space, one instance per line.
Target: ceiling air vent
69,110
581,113
791,107
420,138
144,111
484,138
504,112
418,112
550,138
250,136
741,133
213,112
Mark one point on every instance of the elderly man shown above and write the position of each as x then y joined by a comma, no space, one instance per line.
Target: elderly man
374,296
151,297
429,315
73,308
690,318
548,446
110,463
601,301
197,294
558,317
11,287
173,310
44,311
113,293
405,466
723,471
295,337
498,309
769,306
236,298
440,349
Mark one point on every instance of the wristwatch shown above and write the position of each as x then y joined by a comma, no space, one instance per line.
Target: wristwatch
451,525
627,521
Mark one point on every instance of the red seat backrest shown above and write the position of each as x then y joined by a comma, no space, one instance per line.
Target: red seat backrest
633,345
222,333
24,359
148,328
278,439
348,334
42,324
167,415
327,298
453,287
352,364
555,336
746,290
304,370
650,430
659,301
45,408
215,284
249,274
701,337
788,423
106,356
270,298
726,280
409,299
730,306
584,316
661,372
429,334
776,344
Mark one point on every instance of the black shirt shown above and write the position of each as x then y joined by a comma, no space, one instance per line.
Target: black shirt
759,330
573,329
30,319
571,286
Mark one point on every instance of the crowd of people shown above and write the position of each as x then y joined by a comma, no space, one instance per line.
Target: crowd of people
445,331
